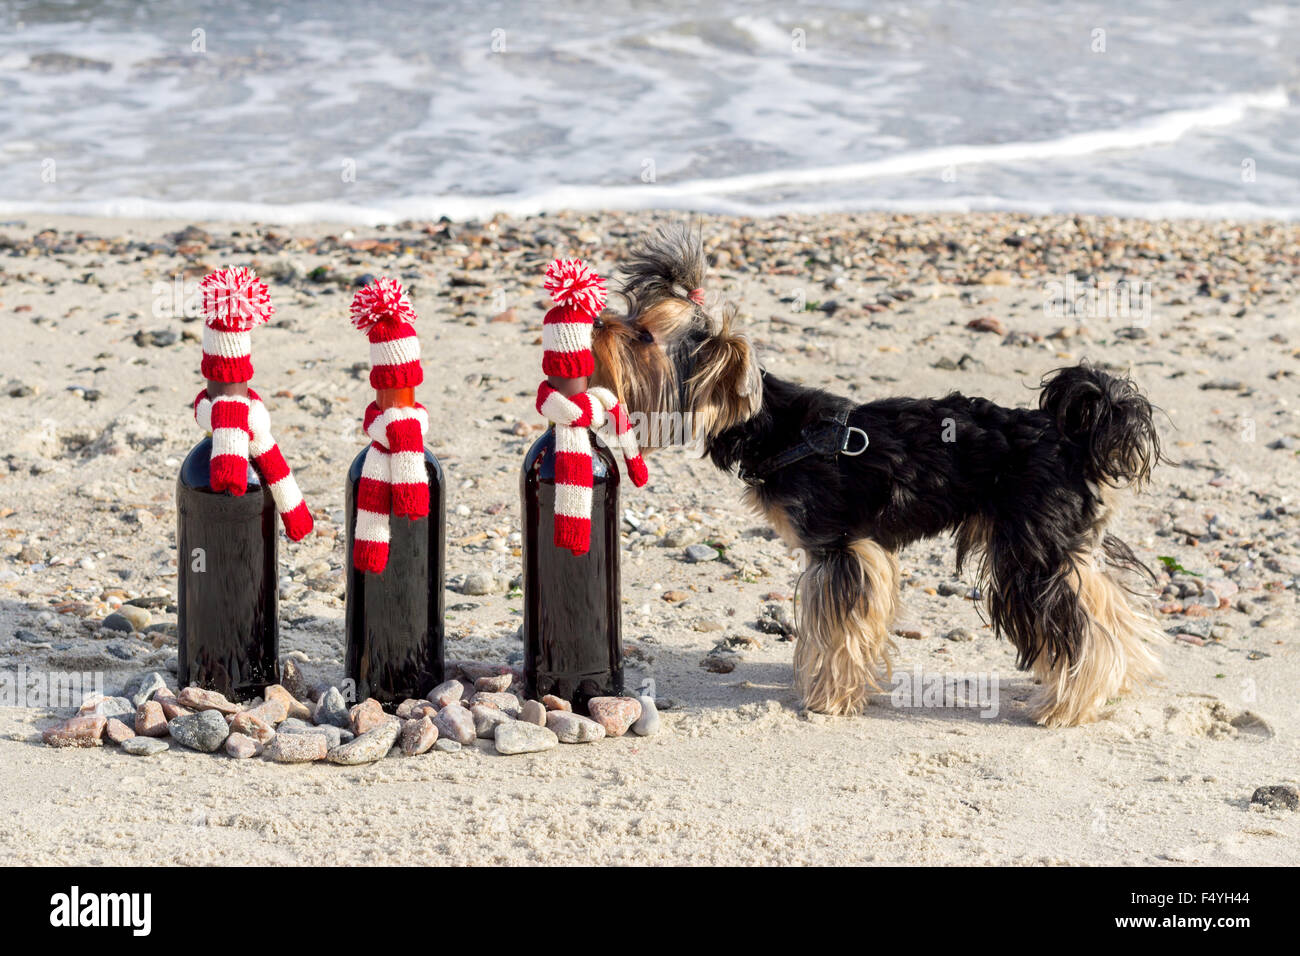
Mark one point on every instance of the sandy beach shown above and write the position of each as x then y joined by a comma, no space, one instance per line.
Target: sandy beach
100,363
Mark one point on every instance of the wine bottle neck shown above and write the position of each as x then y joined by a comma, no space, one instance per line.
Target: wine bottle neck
217,389
568,387
395,397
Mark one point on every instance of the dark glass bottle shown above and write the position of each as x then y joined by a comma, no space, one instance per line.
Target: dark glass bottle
227,583
573,641
395,618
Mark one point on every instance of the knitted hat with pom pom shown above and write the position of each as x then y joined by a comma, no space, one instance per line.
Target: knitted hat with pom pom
384,313
235,301
579,295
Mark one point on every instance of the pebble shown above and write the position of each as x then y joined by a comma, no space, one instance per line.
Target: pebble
205,730
494,683
508,703
447,693
144,746
271,711
1283,796
280,694
447,746
137,617
406,709
699,553
292,679
533,712
486,720
76,732
679,538
117,622
199,699
297,748
552,702
952,589
334,736
456,723
615,714
418,736
518,737
111,707
366,716
332,709
368,747
647,725
242,747
482,582
960,634
117,732
150,721
144,687
571,728
248,724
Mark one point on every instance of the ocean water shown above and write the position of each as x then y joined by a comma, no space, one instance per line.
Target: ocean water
372,112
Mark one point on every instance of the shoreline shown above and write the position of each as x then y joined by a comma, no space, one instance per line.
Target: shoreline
95,385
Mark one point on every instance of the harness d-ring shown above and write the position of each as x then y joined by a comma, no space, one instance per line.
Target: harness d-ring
849,432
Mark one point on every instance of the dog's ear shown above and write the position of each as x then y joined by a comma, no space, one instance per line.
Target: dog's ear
726,387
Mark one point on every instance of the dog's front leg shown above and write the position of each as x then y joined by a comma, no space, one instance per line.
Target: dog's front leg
847,598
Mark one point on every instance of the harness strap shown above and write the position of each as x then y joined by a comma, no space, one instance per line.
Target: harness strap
826,438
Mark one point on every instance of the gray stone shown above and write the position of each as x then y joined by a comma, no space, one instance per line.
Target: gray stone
486,720
144,687
114,707
447,746
698,553
647,725
368,747
960,634
482,582
332,709
206,731
116,622
952,589
144,746
1280,797
679,537
518,737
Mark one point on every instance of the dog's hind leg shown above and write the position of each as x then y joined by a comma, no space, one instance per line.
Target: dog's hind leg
847,598
1086,638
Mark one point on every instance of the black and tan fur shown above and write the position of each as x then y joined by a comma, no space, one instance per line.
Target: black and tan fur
1025,490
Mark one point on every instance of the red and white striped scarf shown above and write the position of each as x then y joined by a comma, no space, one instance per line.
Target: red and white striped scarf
241,430
573,417
393,480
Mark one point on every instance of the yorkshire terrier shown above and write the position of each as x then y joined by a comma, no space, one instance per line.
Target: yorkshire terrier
1027,491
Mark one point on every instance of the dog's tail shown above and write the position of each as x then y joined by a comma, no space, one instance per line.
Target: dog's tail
1107,418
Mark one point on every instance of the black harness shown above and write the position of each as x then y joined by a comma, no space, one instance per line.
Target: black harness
825,438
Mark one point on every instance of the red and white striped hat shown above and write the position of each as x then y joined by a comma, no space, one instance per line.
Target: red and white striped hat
384,313
579,295
234,302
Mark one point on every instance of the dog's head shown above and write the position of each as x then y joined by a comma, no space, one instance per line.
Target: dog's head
680,370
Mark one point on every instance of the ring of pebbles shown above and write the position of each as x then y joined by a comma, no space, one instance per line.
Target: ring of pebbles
288,724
